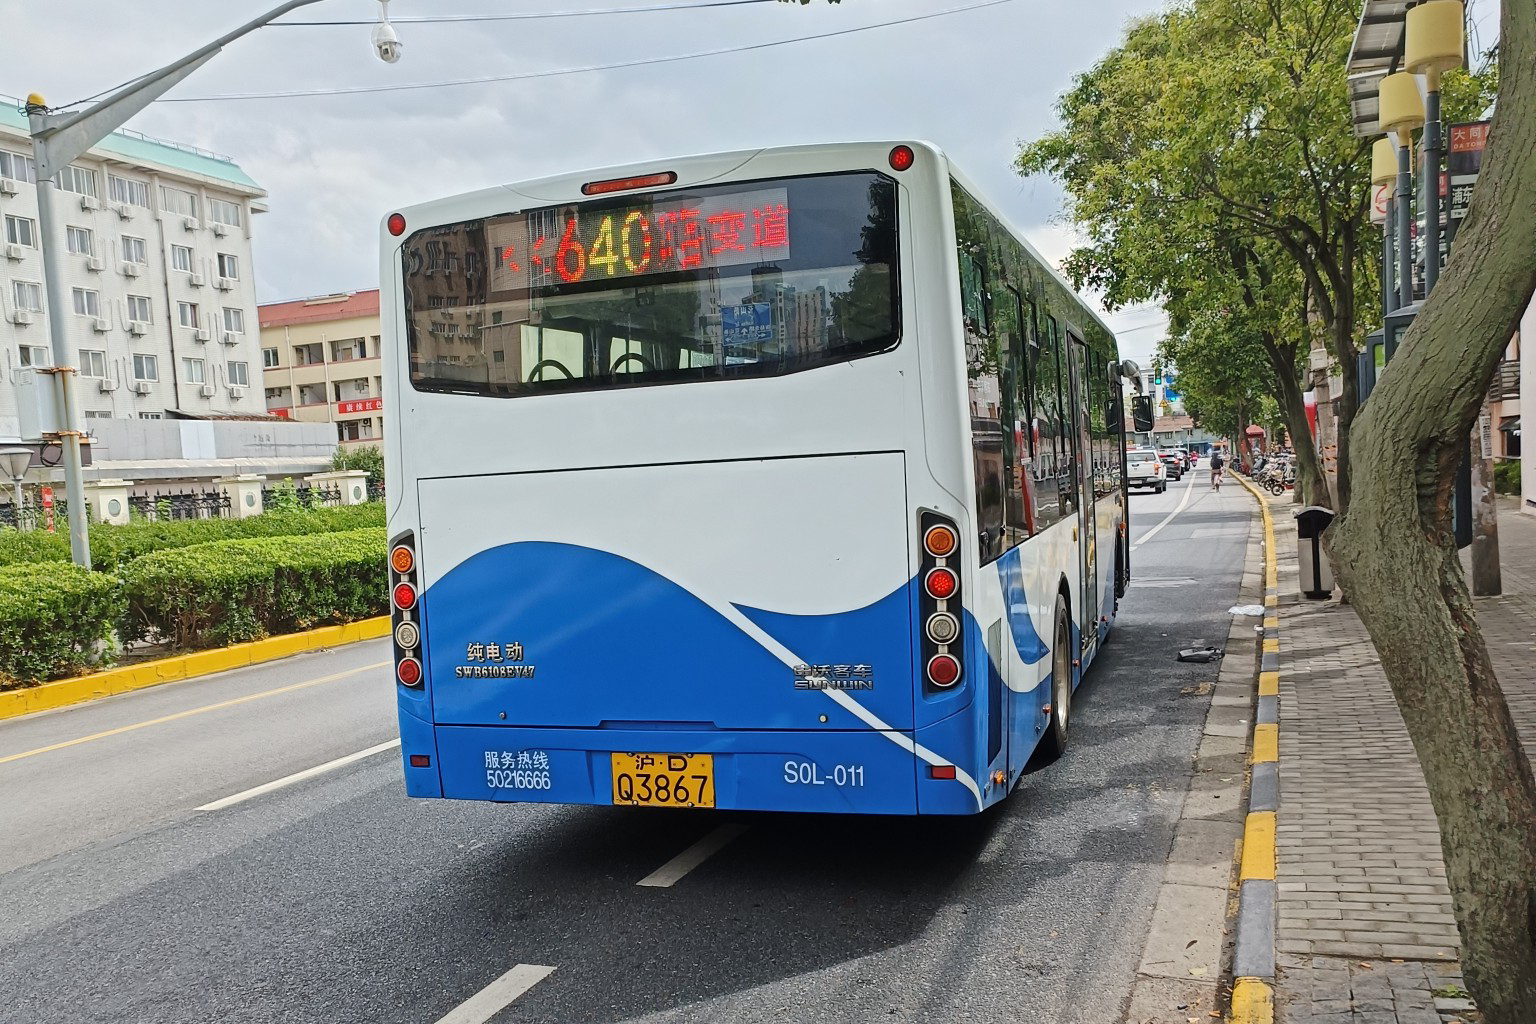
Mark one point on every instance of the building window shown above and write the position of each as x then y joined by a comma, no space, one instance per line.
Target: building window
17,167
78,179
234,320
186,314
269,357
150,416
21,231
221,212
133,250
181,258
229,266
27,295
80,241
349,348
354,430
87,302
138,309
192,369
239,373
97,414
178,201
305,355
145,368
280,396
93,363
34,355
127,190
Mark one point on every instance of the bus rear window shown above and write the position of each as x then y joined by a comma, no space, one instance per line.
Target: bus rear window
750,279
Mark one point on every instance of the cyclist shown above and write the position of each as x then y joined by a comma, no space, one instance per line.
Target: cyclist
1217,462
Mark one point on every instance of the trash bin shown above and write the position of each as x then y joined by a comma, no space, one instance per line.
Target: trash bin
1316,573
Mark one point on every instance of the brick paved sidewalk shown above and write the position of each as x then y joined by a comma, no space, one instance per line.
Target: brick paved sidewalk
1364,930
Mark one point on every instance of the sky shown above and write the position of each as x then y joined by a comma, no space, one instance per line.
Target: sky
976,82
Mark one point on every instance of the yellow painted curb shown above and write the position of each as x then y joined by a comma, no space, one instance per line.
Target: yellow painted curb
1253,1002
1272,645
1258,847
65,692
1271,621
1269,684
1266,743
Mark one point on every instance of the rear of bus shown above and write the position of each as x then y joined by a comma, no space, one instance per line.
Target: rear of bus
667,442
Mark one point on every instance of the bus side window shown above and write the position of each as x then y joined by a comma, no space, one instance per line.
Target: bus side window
1046,425
552,354
1018,439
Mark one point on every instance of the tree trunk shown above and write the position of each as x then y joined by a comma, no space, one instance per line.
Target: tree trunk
1348,409
1293,407
1395,553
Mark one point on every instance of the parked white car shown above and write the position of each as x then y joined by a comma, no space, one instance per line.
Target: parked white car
1145,469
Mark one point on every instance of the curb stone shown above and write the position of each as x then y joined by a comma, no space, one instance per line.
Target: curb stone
1253,957
66,692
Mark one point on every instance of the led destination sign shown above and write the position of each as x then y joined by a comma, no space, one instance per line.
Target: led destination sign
577,244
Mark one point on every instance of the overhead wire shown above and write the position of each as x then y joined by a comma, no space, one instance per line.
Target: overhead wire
558,72
524,15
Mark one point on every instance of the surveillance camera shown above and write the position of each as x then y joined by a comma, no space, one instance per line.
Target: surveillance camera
386,44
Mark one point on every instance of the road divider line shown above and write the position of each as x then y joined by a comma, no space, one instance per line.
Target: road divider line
497,996
307,773
195,711
1189,489
669,873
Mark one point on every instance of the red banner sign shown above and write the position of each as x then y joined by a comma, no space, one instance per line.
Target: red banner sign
360,405
48,509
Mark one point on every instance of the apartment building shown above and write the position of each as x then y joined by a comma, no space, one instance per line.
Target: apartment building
158,274
320,363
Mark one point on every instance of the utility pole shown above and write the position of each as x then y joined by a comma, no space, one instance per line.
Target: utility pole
58,139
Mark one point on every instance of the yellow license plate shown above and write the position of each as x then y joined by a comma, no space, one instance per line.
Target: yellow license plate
664,780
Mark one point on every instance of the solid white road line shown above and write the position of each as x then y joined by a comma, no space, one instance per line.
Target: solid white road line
496,996
307,773
674,869
1189,489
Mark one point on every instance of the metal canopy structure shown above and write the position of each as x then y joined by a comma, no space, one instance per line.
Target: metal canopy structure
1376,52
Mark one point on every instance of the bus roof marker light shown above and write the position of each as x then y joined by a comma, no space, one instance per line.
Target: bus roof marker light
902,158
598,188
941,583
396,224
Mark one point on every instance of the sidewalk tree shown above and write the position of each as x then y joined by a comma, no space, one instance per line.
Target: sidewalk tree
1395,553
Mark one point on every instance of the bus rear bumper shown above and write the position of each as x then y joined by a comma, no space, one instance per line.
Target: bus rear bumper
865,772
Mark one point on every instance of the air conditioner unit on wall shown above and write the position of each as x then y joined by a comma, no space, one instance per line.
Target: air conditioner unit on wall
95,263
7,187
236,392
197,280
21,316
90,203
123,210
101,325
230,338
141,387
220,229
130,269
138,328
107,384
201,334
190,223
206,390
13,251
225,284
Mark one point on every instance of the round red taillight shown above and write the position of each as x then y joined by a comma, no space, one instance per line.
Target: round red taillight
405,596
409,671
402,560
396,224
941,583
902,158
943,670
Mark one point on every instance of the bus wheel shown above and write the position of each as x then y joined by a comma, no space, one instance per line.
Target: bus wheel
1054,743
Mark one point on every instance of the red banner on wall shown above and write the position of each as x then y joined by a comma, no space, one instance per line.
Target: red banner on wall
360,405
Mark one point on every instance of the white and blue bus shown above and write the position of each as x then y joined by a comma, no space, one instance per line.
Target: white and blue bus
784,480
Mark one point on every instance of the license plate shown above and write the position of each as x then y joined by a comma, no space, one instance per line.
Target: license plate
664,780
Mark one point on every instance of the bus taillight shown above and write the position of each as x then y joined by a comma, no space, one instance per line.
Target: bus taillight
943,670
405,611
941,583
939,604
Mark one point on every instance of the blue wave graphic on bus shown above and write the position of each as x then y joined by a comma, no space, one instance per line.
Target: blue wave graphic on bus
1010,571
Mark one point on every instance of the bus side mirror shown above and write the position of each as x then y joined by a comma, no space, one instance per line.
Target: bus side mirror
1141,413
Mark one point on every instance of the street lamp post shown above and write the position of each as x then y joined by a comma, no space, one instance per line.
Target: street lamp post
1384,172
1402,111
58,139
15,462
1434,36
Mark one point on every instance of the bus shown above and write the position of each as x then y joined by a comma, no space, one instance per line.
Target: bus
783,480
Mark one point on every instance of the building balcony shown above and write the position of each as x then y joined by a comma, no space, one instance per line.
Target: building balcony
1506,381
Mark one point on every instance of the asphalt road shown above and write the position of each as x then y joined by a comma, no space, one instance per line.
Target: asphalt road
337,899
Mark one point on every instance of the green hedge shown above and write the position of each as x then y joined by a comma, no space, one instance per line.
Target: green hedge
232,591
55,620
113,547
1506,477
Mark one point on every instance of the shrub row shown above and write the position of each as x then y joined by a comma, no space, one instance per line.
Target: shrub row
56,620
232,591
113,547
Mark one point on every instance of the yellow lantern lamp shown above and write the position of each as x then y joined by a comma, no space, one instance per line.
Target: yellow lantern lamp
1435,40
1402,106
1383,162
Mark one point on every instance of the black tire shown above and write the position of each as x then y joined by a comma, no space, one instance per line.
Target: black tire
1054,743
1161,488
1277,489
